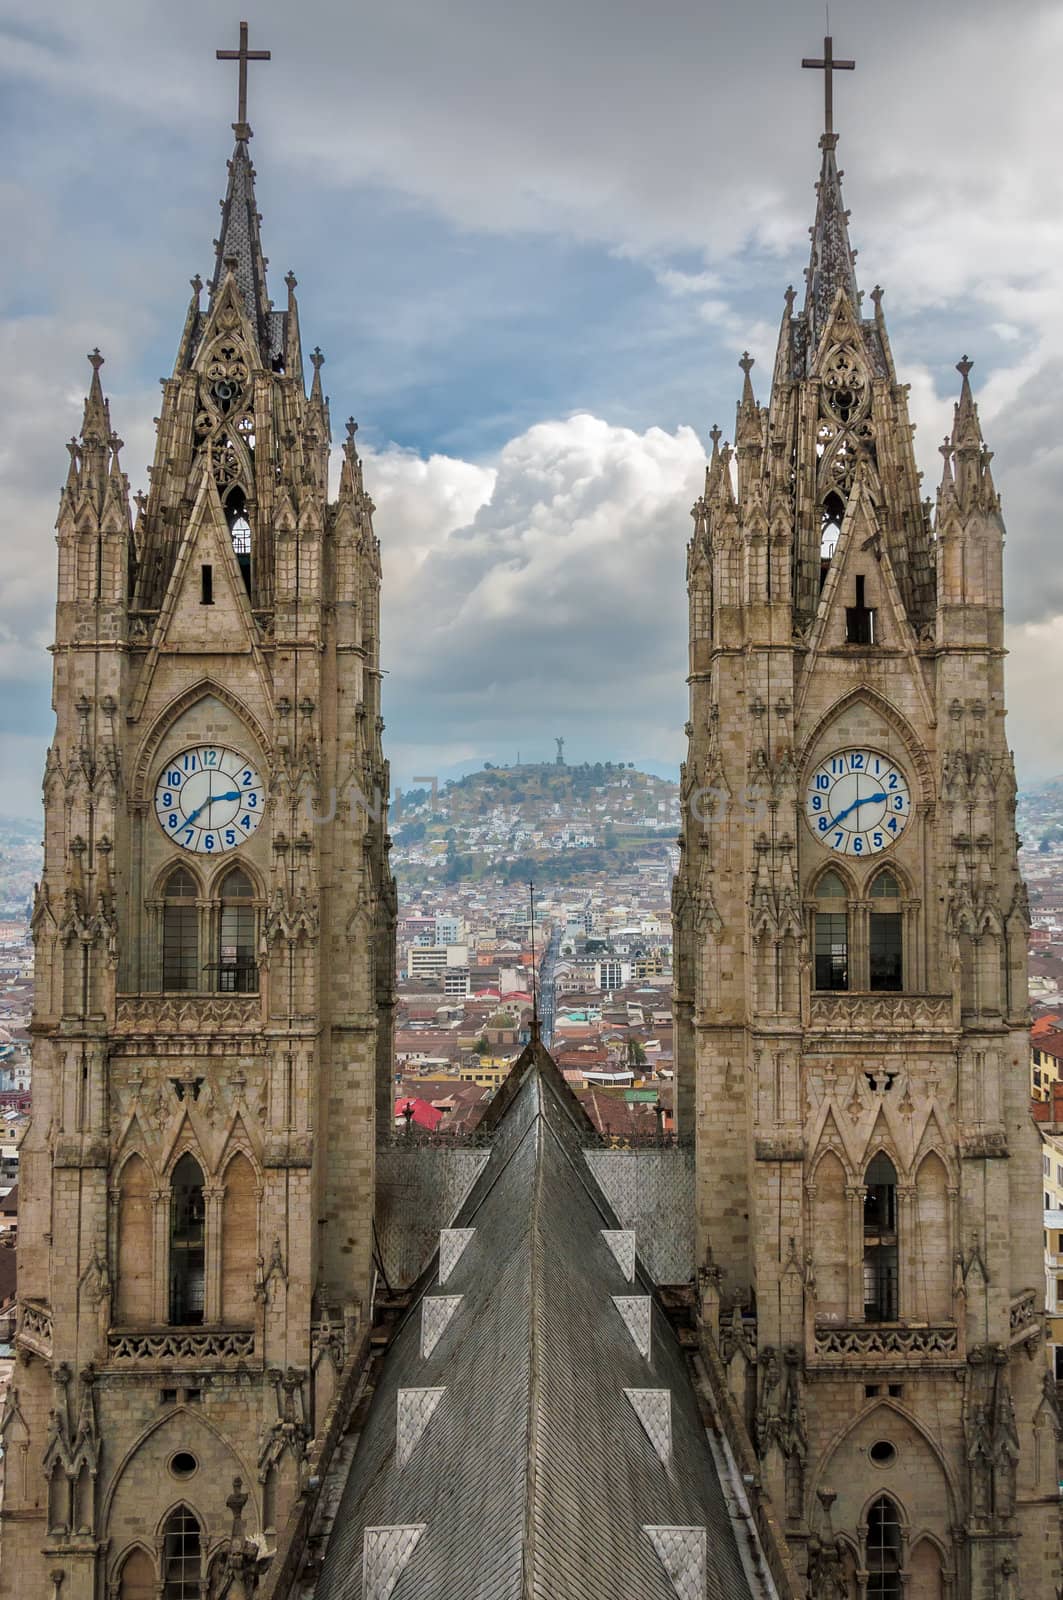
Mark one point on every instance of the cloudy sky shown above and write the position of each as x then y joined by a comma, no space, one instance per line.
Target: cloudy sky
532,242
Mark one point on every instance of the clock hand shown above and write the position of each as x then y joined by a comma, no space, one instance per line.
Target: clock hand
233,794
868,798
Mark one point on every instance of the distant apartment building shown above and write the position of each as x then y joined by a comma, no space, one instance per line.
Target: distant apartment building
432,960
449,929
613,974
1046,1057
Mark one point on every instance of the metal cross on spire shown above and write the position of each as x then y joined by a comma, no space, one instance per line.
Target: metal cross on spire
243,55
828,66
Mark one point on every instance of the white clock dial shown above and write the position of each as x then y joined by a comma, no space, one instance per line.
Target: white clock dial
209,799
857,802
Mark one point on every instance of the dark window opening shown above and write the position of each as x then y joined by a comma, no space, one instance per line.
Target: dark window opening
880,1241
859,619
182,1557
830,528
896,1391
885,951
187,1243
180,932
239,531
206,586
832,950
883,1551
237,968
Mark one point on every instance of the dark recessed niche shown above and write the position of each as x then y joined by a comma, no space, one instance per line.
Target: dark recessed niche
882,1453
183,1464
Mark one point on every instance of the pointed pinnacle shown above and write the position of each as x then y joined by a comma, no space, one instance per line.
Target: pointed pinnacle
746,362
715,434
197,285
95,359
352,429
963,367
317,358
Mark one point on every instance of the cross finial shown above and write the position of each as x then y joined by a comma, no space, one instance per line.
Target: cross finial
747,363
243,55
964,367
828,66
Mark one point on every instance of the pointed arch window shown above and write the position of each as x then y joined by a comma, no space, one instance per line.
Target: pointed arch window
237,969
883,1550
182,1556
831,933
180,931
187,1243
886,934
138,1576
880,1240
236,514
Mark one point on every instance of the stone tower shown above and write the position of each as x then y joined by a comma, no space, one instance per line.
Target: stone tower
851,976
214,933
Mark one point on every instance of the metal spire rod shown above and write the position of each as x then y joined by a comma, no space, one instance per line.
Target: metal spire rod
535,989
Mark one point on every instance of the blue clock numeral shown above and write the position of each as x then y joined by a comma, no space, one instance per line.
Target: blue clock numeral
878,765
210,758
190,762
893,824
838,837
858,845
173,820
898,802
837,764
245,821
252,799
893,780
230,836
208,841
877,840
173,778
249,777
167,799
856,761
822,781
824,824
189,832
817,802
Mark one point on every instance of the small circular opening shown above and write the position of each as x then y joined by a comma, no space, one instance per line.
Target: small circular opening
183,1464
882,1453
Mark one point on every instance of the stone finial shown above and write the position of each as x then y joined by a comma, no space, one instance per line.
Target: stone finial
963,367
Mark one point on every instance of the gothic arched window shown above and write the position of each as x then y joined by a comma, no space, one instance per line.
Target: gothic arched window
832,933
187,1243
236,515
886,934
180,931
880,1240
182,1556
237,969
138,1576
883,1550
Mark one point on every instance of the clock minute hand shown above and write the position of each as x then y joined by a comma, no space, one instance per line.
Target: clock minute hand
233,794
867,800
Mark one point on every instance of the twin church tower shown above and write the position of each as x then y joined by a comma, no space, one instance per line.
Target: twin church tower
215,974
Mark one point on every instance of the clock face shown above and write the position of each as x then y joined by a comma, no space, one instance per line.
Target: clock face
209,799
857,802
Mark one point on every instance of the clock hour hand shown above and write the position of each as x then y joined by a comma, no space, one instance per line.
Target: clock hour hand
866,801
233,794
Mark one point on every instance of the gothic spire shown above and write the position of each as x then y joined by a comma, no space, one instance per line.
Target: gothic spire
239,245
831,266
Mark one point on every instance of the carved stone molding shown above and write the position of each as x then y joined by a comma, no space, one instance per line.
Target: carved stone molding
33,1328
187,1013
873,1013
196,1346
1025,1317
882,1346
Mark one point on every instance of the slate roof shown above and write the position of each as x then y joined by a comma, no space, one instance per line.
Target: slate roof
535,1473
